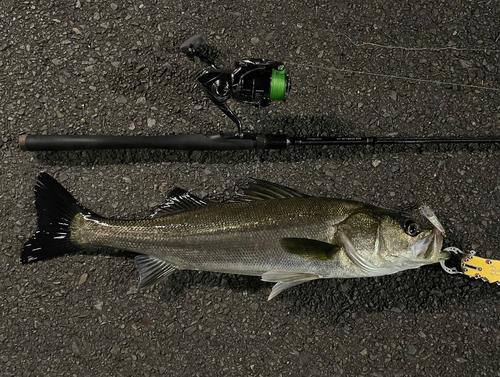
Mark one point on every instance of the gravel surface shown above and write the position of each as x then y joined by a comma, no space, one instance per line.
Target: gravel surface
102,67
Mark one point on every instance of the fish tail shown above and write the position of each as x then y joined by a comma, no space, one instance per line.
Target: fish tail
56,208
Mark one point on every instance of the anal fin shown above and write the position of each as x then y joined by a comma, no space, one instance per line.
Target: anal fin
152,270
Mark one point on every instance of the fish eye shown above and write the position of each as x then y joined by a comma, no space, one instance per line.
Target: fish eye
411,228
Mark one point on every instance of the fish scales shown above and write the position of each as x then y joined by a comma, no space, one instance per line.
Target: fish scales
239,237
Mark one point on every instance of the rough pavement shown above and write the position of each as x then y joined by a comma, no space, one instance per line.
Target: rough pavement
113,67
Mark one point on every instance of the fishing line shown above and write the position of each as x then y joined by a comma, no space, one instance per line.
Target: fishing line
406,78
447,48
395,77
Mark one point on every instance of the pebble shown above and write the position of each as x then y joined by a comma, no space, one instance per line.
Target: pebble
364,352
141,100
56,61
89,68
121,99
255,41
83,279
78,4
98,305
393,95
75,349
58,113
151,122
190,330
412,350
113,6
465,63
115,350
376,163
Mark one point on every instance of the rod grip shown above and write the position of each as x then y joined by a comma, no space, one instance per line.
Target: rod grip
191,142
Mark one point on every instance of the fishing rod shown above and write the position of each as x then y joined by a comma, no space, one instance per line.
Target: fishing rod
217,141
255,82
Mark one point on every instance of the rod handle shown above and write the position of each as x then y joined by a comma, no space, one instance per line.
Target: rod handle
190,142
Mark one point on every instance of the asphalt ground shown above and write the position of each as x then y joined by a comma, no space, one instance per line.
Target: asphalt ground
114,67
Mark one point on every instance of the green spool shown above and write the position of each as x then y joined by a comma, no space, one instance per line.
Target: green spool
278,85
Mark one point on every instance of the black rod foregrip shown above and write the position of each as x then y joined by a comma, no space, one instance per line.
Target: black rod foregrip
217,141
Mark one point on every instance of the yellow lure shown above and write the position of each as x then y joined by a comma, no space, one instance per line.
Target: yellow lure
481,268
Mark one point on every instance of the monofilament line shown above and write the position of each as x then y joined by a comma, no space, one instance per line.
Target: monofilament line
396,77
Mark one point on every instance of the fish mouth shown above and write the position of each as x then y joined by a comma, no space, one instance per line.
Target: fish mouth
429,248
432,244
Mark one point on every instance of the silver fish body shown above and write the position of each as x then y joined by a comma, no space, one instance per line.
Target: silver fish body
273,232
240,238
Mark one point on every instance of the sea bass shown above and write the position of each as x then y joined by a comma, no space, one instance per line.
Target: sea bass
271,231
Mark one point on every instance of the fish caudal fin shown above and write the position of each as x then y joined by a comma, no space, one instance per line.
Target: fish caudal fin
56,208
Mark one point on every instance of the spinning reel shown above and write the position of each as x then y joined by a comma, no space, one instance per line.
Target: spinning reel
254,82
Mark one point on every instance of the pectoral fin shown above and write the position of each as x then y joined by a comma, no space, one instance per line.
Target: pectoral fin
310,249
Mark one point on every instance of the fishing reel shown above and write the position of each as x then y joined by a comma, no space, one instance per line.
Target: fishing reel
254,82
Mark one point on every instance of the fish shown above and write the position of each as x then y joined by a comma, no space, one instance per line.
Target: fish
272,231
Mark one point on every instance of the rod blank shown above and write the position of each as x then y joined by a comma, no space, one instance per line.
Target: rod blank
219,141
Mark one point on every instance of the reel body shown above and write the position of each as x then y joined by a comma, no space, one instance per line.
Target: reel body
253,81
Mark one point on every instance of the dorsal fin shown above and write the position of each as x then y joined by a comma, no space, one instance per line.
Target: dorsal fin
264,190
178,200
